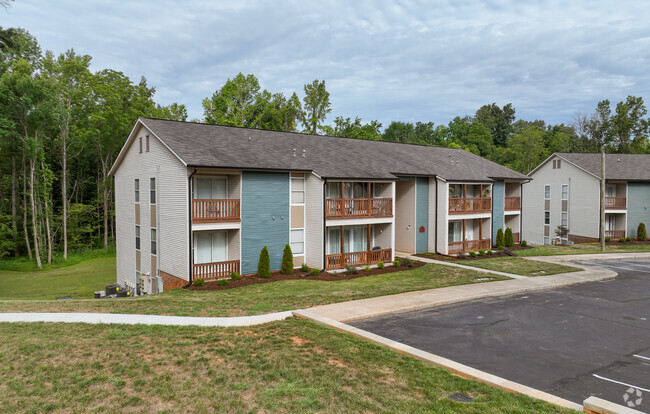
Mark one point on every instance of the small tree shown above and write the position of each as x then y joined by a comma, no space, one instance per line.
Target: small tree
287,261
641,234
500,239
562,232
264,264
509,240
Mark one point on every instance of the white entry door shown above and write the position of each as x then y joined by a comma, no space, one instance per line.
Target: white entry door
211,188
210,247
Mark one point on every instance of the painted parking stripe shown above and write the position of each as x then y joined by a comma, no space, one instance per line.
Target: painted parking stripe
641,356
621,383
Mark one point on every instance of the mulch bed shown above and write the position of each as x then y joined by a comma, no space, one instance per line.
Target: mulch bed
633,241
276,276
444,258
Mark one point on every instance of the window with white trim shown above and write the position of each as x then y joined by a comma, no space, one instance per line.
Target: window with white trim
147,143
152,191
298,241
140,145
547,217
154,242
565,191
137,237
547,240
297,190
565,219
547,192
136,184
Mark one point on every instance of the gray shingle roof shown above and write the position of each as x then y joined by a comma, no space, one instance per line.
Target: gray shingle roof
630,167
330,157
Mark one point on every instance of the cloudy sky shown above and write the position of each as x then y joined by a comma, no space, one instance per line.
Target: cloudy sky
407,60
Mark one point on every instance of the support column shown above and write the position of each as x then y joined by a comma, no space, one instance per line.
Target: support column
342,250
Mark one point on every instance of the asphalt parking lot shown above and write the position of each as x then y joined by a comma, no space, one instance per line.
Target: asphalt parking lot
574,342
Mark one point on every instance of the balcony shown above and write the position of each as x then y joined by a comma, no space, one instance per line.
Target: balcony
339,261
214,211
615,234
470,205
468,245
341,208
615,203
217,270
512,203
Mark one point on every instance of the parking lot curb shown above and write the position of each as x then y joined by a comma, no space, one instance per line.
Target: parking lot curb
456,368
595,405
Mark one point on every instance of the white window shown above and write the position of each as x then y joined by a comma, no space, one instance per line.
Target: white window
210,246
333,241
298,241
547,217
137,237
147,143
152,191
211,188
455,190
547,192
297,190
355,239
565,219
154,242
547,241
140,145
455,231
355,190
137,190
565,191
333,190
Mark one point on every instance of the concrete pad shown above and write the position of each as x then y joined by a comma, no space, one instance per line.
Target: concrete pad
456,368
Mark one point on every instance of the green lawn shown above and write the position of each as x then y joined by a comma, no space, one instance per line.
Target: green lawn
288,366
519,266
247,300
582,248
79,280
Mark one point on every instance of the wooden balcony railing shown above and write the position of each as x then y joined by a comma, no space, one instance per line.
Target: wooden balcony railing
615,203
358,207
513,203
217,270
468,245
460,205
208,211
338,261
615,234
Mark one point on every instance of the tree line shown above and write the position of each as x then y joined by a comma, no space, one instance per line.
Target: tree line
62,126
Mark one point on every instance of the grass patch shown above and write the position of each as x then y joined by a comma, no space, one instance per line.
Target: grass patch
582,248
22,264
79,280
519,266
264,298
288,366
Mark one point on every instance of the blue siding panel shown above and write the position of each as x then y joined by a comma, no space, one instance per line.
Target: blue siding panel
422,214
264,218
498,200
638,207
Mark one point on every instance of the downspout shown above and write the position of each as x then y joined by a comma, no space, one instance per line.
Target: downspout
435,249
189,208
324,226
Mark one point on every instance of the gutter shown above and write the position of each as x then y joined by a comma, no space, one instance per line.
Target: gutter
189,209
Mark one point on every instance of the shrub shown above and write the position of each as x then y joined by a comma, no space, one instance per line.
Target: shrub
367,268
489,252
287,261
621,240
641,233
396,263
304,267
235,276
380,265
406,262
314,272
524,243
481,252
264,264
628,238
472,253
222,282
607,239
351,270
199,282
509,241
500,239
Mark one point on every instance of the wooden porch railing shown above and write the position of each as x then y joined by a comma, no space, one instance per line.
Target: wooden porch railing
515,237
615,203
217,270
338,261
358,207
460,205
615,234
207,211
468,245
513,203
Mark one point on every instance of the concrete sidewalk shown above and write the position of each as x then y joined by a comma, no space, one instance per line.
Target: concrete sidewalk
130,319
422,299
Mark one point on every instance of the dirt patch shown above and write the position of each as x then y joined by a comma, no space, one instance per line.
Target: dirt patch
299,341
300,275
336,362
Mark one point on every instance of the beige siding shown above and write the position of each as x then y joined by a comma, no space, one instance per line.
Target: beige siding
584,202
314,225
405,216
297,217
443,206
382,236
171,210
432,215
234,251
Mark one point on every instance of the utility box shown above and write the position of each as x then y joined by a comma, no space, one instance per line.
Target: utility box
159,284
112,289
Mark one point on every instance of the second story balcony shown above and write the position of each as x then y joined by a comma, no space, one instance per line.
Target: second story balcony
215,210
216,199
512,203
470,205
615,203
358,200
